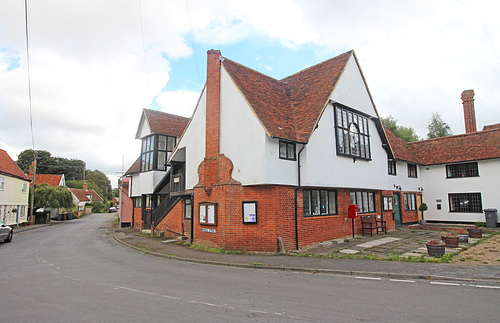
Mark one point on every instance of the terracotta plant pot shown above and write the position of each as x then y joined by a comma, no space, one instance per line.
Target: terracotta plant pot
435,249
451,242
475,232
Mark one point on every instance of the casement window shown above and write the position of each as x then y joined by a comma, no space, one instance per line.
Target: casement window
155,151
465,202
187,208
22,211
24,188
320,202
287,150
352,132
138,202
410,202
391,167
412,170
462,170
388,203
2,184
365,200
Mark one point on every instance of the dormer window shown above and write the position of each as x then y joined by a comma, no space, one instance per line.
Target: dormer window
155,151
352,131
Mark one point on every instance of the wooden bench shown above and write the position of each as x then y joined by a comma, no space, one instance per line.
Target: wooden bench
370,223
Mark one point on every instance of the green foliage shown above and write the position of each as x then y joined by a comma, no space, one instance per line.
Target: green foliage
53,197
480,224
99,182
437,127
407,134
98,206
423,207
46,164
116,192
75,183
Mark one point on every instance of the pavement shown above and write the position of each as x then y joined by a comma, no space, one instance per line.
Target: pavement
405,242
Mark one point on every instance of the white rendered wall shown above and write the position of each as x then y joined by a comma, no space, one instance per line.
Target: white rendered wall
144,128
408,184
12,193
322,167
135,184
437,187
194,142
144,183
242,137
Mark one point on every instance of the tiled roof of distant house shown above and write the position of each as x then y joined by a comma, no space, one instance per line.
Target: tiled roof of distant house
82,194
289,108
9,167
165,123
492,126
51,180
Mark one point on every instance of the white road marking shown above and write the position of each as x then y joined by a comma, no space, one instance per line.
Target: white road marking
369,278
402,281
446,284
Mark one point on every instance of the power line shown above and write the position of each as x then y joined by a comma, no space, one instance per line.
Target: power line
29,74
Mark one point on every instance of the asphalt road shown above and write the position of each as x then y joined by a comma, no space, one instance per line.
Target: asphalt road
75,272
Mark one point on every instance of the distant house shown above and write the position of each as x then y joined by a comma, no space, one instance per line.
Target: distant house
126,203
14,189
83,196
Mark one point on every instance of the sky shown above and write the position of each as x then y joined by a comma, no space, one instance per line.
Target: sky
96,64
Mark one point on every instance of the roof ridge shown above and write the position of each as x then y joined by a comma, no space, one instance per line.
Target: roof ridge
454,136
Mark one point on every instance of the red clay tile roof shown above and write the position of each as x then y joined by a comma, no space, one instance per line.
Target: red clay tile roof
165,123
135,168
492,126
289,108
400,149
81,194
460,148
52,180
9,167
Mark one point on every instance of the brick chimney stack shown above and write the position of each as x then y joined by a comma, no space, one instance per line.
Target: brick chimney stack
213,103
85,187
469,113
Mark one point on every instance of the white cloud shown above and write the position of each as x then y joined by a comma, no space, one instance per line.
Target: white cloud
96,64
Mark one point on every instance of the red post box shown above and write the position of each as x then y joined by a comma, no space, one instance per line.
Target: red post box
352,212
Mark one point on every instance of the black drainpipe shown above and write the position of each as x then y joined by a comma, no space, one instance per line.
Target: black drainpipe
298,187
192,217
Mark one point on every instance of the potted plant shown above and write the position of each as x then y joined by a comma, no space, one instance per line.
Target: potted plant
422,208
435,248
451,240
475,232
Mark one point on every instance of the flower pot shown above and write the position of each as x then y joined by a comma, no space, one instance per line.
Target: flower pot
435,249
463,238
475,232
451,242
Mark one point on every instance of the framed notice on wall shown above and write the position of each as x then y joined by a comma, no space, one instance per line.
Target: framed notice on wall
208,213
249,212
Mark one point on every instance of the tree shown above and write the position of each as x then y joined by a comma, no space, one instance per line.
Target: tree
407,134
53,197
437,127
46,164
99,182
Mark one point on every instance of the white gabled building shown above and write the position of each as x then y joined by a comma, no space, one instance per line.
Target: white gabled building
14,189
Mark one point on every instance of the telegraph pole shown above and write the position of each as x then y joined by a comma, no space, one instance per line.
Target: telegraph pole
33,190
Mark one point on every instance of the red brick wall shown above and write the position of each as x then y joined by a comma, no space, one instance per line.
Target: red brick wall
173,220
137,218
